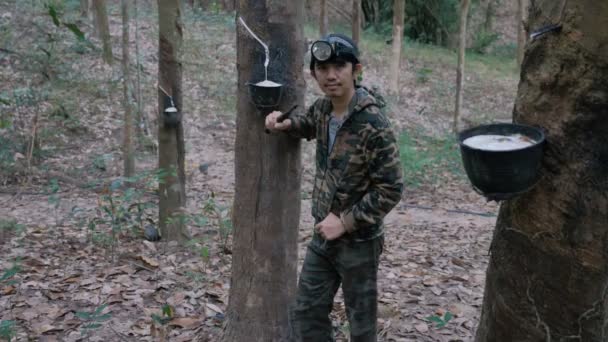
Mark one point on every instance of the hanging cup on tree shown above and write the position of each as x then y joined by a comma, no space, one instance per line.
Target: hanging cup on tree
171,115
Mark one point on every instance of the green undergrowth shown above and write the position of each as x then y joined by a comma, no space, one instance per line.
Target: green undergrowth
429,160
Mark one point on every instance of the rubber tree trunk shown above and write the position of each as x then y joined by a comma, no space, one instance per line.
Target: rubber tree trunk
127,145
171,151
266,210
323,18
464,12
101,22
398,16
521,32
548,277
356,21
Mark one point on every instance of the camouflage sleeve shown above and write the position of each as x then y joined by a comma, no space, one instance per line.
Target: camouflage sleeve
304,126
386,186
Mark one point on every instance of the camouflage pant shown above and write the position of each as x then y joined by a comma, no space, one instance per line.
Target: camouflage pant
327,265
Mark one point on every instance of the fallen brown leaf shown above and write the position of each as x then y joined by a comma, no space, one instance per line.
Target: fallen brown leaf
149,261
186,322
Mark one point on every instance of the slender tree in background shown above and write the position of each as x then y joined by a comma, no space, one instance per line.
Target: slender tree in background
127,146
323,17
228,5
464,12
488,23
103,27
266,210
376,6
521,31
356,21
84,8
547,279
171,150
398,17
140,117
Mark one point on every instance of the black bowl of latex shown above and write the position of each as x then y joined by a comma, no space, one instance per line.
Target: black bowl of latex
502,160
265,93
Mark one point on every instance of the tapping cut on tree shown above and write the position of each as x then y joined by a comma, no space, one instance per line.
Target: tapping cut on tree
171,147
547,278
266,209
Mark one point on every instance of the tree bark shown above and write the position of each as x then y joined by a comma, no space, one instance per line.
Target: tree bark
547,279
228,5
356,21
103,27
140,118
128,156
521,32
376,5
171,151
464,12
490,12
398,18
346,14
266,207
323,18
84,8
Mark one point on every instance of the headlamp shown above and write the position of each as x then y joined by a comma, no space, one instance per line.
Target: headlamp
326,49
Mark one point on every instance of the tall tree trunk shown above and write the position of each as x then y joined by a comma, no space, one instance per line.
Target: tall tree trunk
128,157
356,21
228,5
323,17
521,33
267,186
103,27
398,16
376,5
548,277
84,8
171,151
464,12
140,118
490,12
344,13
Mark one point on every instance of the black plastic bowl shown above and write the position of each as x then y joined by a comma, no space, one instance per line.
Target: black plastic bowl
503,174
265,97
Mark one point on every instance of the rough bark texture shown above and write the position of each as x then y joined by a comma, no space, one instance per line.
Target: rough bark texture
228,5
398,15
171,151
266,209
521,32
488,23
101,22
84,8
548,278
464,11
323,18
127,145
376,4
356,17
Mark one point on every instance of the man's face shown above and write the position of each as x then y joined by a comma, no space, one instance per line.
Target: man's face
336,79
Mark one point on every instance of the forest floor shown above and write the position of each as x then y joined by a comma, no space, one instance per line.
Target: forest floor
66,275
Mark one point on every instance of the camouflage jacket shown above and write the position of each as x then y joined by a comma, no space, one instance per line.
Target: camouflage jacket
361,180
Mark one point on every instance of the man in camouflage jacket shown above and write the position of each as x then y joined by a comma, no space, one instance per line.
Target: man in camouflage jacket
358,181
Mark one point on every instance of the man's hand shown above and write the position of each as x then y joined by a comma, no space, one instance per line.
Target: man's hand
331,228
273,125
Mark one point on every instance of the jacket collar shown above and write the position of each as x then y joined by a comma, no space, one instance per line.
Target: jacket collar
361,99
